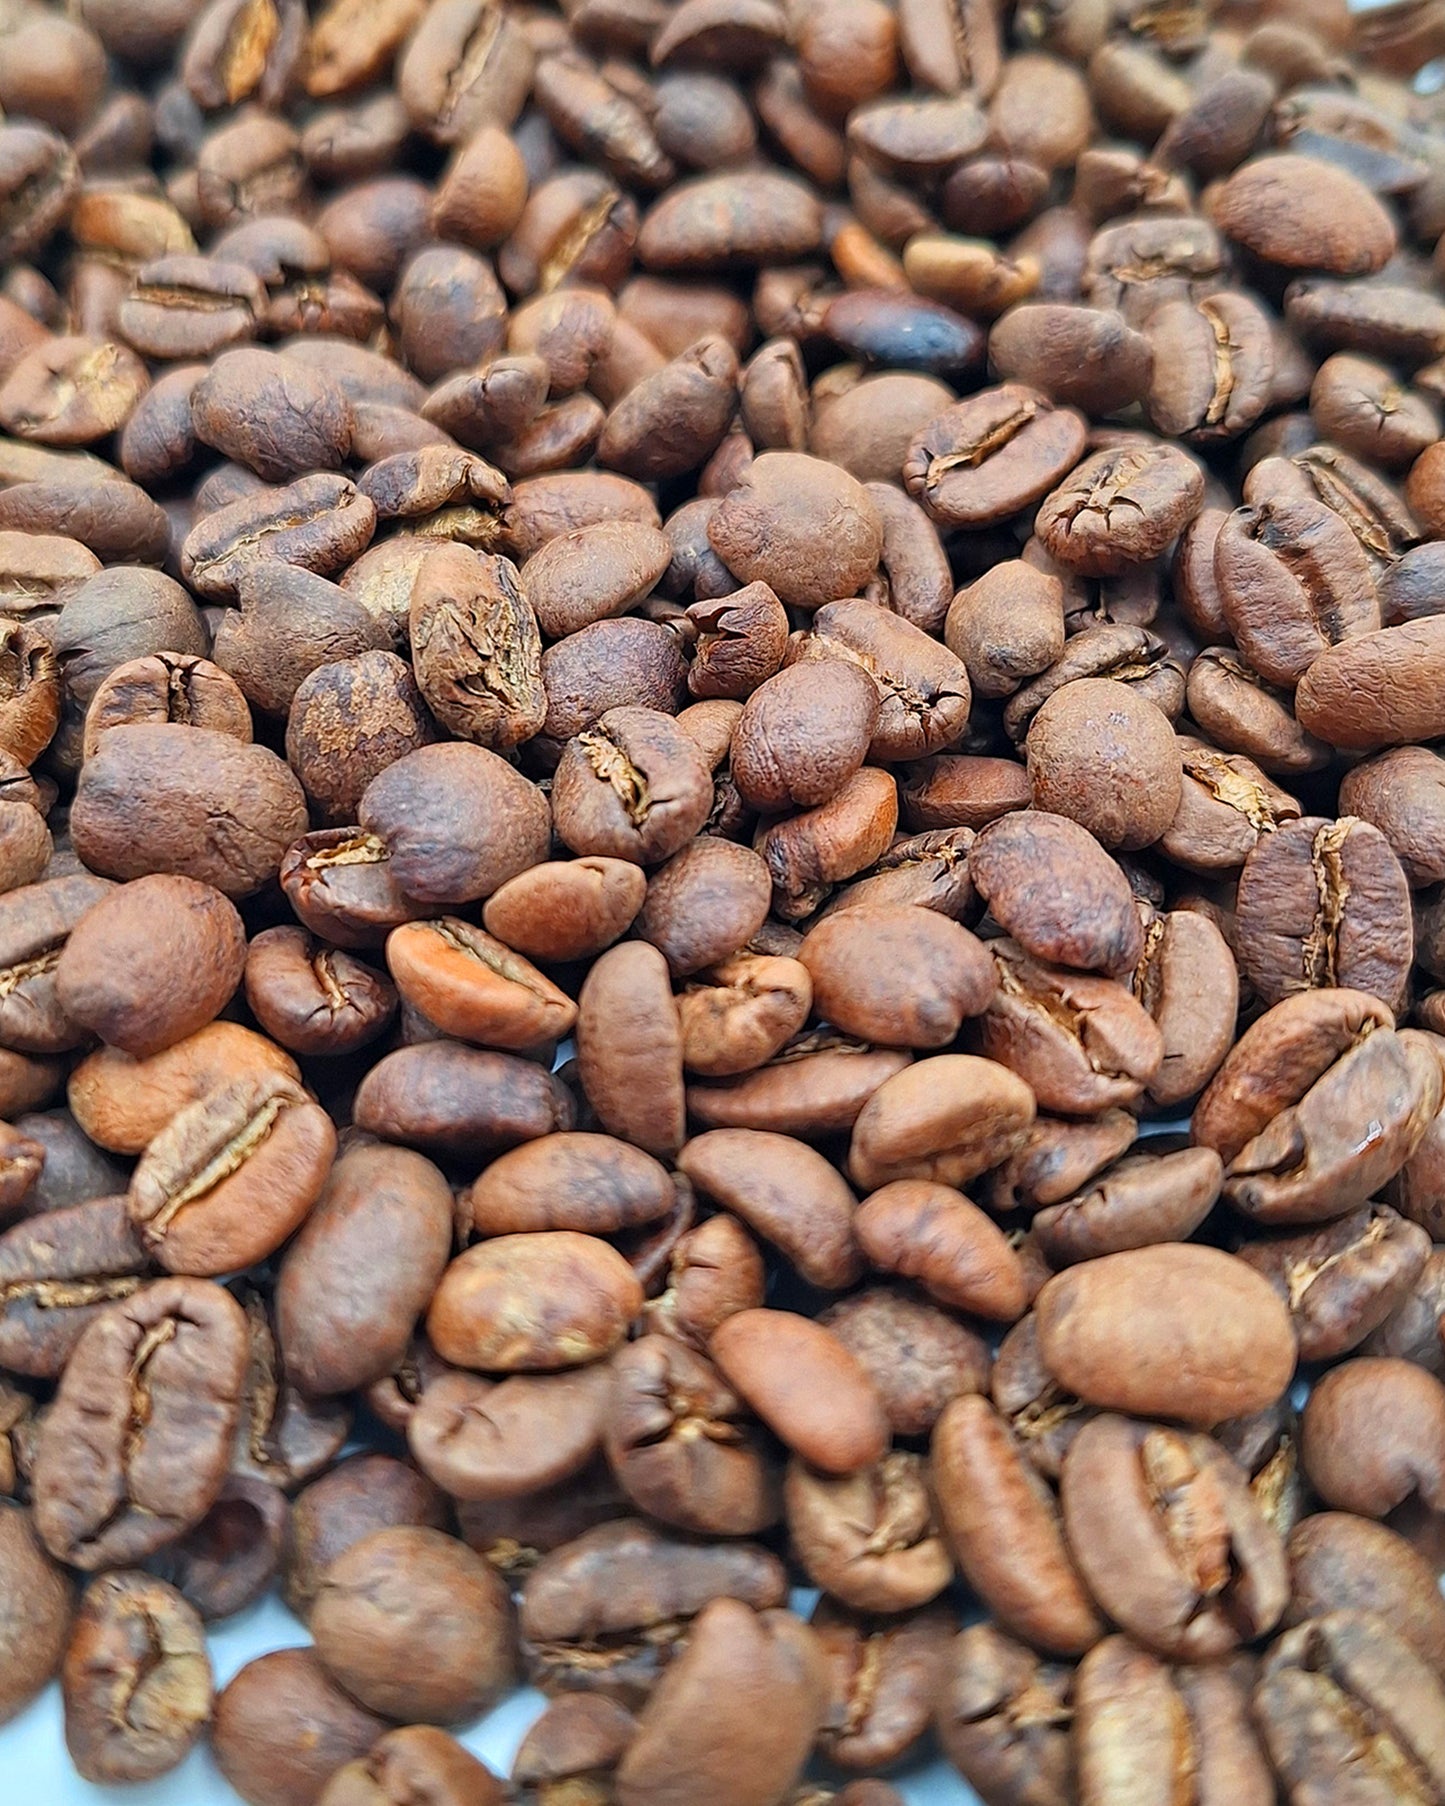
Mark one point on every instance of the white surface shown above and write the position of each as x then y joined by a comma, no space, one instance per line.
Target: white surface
35,1769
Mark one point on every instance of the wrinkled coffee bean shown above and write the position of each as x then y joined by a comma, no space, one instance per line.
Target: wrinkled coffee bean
158,1376
136,1680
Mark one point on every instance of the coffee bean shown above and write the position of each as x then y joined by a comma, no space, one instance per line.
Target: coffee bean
365,1492
1356,1662
36,1606
1339,1562
1004,1528
635,1590
1130,1494
1231,1308
136,1680
1342,1281
60,1269
768,530
1304,214
456,822
172,1358
414,1622
987,1677
233,1555
282,1727
320,522
452,1100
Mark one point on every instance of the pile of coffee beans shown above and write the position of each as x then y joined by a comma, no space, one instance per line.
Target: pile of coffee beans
722,869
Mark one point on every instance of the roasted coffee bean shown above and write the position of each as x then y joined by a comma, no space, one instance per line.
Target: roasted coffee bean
885,1676
456,822
1339,1562
1007,626
512,1439
785,1367
1360,1460
803,733
36,1608
1343,1281
189,801
340,1338
593,573
917,1355
1227,805
163,687
786,1192
36,920
1082,1043
320,522
471,985
282,1438
605,1611
946,1119
742,638
1120,507
1139,1724
157,1377
313,998
766,530
1352,698
924,693
1294,211
1332,1169
1089,358
1188,981
631,786
533,1303
704,904
1173,1295
136,1680
1045,1418
290,623
1085,917
714,1271
1353,927
986,458
629,1048
231,1176
934,1235
233,1555
1212,368
682,1446
1003,1715
415,1624
1142,1200
566,909
930,974
1322,1680
282,1727
1097,724
121,968
1003,1525
415,1757
1169,1538
58,1271
1293,581
476,647
121,1103
363,1493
